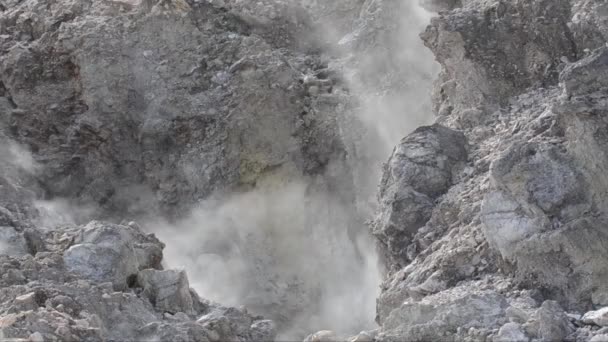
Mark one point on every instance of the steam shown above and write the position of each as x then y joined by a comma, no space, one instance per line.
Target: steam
3,250
61,212
298,253
284,252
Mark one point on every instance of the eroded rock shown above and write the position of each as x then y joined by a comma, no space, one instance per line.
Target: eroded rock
169,290
420,170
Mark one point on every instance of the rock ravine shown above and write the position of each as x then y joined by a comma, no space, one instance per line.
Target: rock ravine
304,170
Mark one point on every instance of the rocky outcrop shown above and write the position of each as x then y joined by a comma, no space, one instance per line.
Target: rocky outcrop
143,109
420,171
490,222
524,82
176,103
68,295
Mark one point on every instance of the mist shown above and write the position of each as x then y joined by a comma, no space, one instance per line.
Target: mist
297,252
283,252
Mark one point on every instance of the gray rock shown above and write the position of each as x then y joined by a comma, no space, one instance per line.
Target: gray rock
511,332
263,330
12,242
599,338
420,170
103,253
169,291
597,317
586,75
436,316
554,324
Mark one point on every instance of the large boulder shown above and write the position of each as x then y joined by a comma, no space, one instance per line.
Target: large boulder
169,290
104,252
420,170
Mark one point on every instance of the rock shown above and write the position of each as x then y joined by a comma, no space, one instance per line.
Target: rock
598,317
538,173
6,217
322,336
554,323
599,338
263,330
169,291
228,322
586,75
27,302
11,242
102,263
36,337
511,332
34,240
436,315
478,73
420,170
107,252
364,336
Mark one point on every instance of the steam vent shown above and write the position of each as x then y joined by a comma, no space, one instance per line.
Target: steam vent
303,170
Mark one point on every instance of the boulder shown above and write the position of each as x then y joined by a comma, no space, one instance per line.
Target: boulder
554,324
597,317
439,315
263,330
420,170
168,291
511,332
106,252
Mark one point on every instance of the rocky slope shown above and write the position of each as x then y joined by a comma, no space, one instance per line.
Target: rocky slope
248,136
208,121
494,218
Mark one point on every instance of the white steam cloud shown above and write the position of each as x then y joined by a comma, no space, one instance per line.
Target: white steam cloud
298,253
283,252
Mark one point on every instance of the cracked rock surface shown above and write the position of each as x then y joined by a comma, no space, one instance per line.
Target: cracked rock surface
490,222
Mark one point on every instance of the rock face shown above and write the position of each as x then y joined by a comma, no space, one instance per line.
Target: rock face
141,109
180,100
490,222
524,83
420,170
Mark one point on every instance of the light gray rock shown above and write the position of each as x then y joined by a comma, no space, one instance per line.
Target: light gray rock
554,324
169,291
599,338
12,242
480,73
103,253
586,75
263,330
438,316
420,170
511,332
597,317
